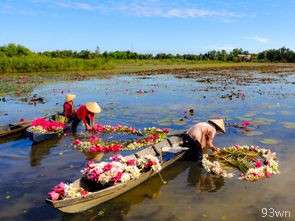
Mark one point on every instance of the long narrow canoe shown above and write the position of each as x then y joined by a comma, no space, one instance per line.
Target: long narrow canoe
80,204
14,128
17,127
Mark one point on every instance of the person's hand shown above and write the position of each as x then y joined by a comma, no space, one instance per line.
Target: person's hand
88,127
215,149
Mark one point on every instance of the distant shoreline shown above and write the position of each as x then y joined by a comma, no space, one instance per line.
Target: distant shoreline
20,84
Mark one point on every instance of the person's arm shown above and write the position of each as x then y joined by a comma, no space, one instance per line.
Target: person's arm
210,138
73,108
86,124
92,120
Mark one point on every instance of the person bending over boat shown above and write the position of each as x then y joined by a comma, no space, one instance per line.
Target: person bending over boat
69,109
86,113
201,135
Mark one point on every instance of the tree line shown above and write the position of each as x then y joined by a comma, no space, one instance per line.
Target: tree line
18,58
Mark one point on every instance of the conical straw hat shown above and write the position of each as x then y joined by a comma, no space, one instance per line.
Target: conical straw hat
93,107
219,123
70,97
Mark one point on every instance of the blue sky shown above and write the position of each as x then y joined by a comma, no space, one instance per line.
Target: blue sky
151,26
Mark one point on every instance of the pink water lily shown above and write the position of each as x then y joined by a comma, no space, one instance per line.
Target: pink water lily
267,174
53,195
245,123
48,125
258,164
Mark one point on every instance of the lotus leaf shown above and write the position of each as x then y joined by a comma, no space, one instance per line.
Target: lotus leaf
286,113
288,124
269,113
270,141
254,133
263,121
250,114
241,118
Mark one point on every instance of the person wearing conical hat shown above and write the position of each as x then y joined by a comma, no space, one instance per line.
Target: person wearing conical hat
68,107
86,113
202,134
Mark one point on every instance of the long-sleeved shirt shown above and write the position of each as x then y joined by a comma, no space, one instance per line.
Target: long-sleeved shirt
68,110
82,113
204,133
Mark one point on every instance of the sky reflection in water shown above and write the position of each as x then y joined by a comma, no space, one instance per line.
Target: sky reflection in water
29,170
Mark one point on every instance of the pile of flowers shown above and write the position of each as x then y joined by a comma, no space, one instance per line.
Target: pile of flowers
118,170
253,162
153,135
64,190
43,126
97,145
108,129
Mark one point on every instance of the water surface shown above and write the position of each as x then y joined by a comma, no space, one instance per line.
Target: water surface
29,171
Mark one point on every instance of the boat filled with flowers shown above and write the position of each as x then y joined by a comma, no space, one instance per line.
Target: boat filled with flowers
42,129
104,181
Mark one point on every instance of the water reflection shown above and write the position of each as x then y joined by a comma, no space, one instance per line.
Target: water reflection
203,181
13,137
188,194
119,207
39,151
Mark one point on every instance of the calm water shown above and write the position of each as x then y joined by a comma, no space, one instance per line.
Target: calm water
29,171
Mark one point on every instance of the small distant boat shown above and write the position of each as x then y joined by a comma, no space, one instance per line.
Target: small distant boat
168,151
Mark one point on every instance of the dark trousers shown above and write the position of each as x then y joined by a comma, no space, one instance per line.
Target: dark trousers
195,149
76,121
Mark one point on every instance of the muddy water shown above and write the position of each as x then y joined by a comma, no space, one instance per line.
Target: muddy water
267,101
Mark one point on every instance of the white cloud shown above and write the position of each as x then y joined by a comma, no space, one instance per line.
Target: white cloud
259,39
148,8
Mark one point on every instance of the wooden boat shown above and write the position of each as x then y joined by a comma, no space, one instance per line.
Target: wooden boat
14,128
94,198
17,127
39,137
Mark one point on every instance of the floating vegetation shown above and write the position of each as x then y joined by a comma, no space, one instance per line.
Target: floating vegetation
263,121
271,106
287,113
241,118
269,113
234,94
270,141
253,133
250,114
289,125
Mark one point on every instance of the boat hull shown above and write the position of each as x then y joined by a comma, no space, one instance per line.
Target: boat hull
80,204
38,137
